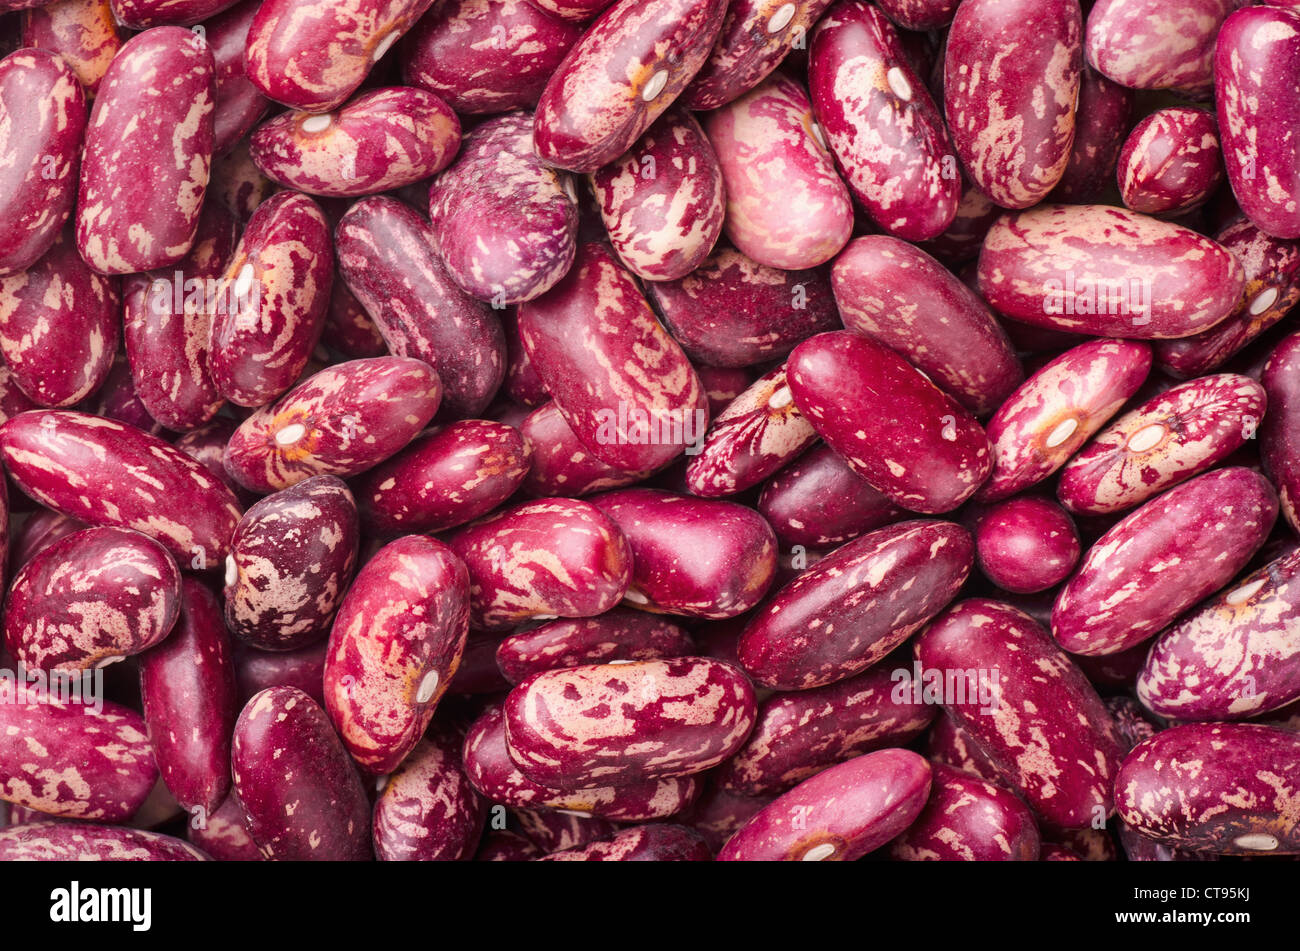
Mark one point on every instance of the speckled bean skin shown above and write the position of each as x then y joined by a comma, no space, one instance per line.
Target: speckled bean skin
348,329
962,239
83,32
90,599
620,634
703,558
1146,44
377,142
786,205
660,842
239,184
240,104
898,295
968,820
840,814
949,744
1235,656
40,145
427,810
291,560
142,14
800,734
561,558
223,834
1107,271
142,182
395,646
486,56
818,501
59,325
109,473
303,794
854,606
1101,124
494,774
758,433
1168,439
388,257
341,421
572,11
313,54
1046,731
561,464
620,77
443,479
899,431
271,301
1053,413
717,814
166,344
623,384
1257,80
920,14
616,724
68,760
38,531
887,135
1026,544
1272,267
502,845
662,201
187,684
82,842
1171,162
1280,433
1162,559
1011,80
1225,788
734,312
505,224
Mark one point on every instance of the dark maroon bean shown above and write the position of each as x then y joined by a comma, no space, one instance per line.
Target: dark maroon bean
240,104
1026,544
502,845
561,464
722,385
661,842
239,184
949,744
256,670
1280,434
224,833
38,531
617,635
818,500
1101,124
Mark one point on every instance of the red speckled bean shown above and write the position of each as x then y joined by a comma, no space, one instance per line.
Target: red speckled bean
1046,730
40,143
1171,162
920,14
1162,559
1226,788
502,845
348,329
238,184
304,797
880,122
187,684
1147,44
148,149
838,815
142,14
1101,124
620,634
1170,438
965,236
224,833
256,669
949,744
240,105
1280,433
313,54
615,724
59,326
388,256
856,605
427,810
1053,413
574,11
717,814
561,464
1107,271
395,646
341,421
83,32
82,842
722,385
899,431
109,473
899,296
38,531
290,562
968,820
12,400
818,500
620,77
652,843
1026,544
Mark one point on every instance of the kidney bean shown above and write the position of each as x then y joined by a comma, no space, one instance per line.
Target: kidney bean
85,841
1101,124
40,150
949,744
478,673
74,760
734,312
886,133
388,257
961,240
1222,788
899,296
304,668
1045,421
148,150
920,14
142,14
1041,724
661,842
818,500
561,464
83,32
1171,162
1162,559
1026,544
620,77
341,421
573,11
1145,44
224,834
1279,448
968,820
722,385
348,329
551,831
502,845
239,184
901,433
59,325
1256,69
116,399
522,384
717,814
1133,722
854,808
1173,436
302,792
38,531
427,811
504,223
239,104
617,635
313,54
12,400
857,604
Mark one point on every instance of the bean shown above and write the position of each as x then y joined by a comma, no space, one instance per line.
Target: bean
653,843
1026,544
968,820
83,32
81,841
617,635
1145,44
427,810
818,500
